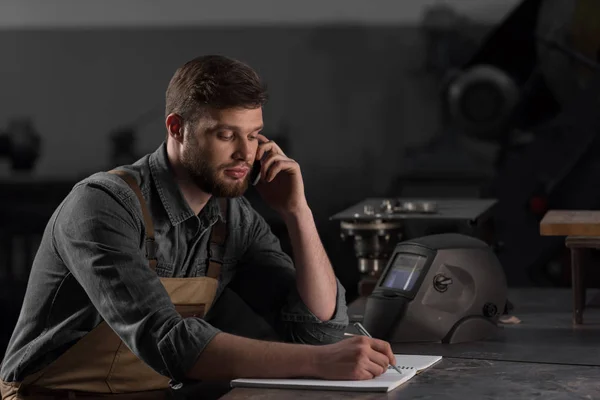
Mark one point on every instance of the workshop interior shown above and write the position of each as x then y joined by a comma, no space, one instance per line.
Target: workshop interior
433,149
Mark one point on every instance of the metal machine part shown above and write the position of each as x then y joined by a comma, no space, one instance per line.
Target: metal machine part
399,206
375,240
373,243
376,225
482,100
391,206
447,288
409,209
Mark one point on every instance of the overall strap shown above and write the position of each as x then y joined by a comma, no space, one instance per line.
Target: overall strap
216,248
149,226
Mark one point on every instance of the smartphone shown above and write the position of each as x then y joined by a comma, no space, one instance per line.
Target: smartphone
255,175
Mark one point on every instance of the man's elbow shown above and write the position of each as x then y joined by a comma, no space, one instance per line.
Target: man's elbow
326,314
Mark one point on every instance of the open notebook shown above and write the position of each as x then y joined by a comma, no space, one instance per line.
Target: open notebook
410,365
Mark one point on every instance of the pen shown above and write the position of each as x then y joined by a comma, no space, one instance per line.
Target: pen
362,330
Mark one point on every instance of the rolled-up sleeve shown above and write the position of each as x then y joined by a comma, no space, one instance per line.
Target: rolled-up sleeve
305,327
99,236
267,281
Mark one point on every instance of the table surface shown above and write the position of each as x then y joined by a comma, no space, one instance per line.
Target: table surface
447,209
544,356
570,223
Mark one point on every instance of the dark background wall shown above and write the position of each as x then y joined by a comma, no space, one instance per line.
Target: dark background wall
347,100
354,99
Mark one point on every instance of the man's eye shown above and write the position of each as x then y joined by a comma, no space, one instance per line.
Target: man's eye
252,137
225,137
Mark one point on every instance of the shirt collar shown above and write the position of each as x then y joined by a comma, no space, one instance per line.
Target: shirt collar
170,195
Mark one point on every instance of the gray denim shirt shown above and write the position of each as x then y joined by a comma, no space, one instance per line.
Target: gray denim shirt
91,267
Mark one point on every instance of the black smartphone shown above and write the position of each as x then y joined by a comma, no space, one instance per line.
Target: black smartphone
255,174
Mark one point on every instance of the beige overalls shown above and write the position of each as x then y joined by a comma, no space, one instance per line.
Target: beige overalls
100,364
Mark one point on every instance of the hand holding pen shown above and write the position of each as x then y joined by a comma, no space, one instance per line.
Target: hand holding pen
364,332
359,357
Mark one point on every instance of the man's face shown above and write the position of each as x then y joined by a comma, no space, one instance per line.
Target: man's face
219,150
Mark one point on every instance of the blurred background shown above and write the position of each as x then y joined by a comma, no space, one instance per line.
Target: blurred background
463,99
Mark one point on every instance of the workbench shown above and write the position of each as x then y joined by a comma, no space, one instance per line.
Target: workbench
545,356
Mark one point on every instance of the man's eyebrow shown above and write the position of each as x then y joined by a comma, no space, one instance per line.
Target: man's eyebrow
232,128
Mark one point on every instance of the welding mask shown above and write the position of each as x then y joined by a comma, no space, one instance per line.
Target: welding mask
447,288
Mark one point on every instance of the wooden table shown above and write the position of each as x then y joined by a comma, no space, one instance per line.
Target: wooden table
582,231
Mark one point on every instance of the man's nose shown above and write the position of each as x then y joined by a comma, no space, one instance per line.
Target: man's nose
244,151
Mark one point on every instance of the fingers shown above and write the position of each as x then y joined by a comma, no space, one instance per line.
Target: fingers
270,147
262,138
384,348
373,357
274,164
381,359
373,369
265,146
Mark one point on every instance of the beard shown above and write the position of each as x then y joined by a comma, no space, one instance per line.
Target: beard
206,176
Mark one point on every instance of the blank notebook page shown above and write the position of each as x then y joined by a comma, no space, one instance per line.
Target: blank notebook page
409,364
385,382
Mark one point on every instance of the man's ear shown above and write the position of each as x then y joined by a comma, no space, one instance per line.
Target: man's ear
174,125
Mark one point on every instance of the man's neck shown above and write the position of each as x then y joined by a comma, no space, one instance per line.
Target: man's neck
195,197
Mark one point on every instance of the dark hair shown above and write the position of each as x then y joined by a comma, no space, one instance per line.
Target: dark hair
213,81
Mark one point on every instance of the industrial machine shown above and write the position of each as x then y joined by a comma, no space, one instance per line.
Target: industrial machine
530,92
447,288
376,225
537,72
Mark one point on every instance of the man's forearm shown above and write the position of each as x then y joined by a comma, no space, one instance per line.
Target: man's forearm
229,357
316,281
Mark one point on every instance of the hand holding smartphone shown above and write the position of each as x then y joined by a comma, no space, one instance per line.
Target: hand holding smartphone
255,175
